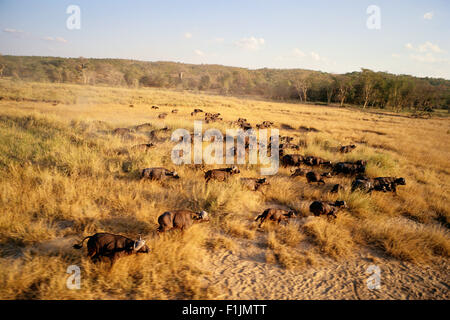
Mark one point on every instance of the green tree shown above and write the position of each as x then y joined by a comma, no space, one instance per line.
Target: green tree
205,82
302,84
345,88
369,82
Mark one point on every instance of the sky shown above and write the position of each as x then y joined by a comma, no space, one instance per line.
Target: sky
398,36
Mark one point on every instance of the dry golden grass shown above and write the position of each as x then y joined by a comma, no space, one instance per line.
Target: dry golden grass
332,237
61,179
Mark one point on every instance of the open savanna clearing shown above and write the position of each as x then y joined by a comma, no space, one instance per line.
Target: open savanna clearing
64,175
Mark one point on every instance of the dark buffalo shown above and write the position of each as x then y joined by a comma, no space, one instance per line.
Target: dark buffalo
112,246
221,174
363,184
193,113
286,139
264,125
211,117
326,208
388,183
312,176
357,167
254,183
378,184
315,161
276,215
158,174
180,219
292,160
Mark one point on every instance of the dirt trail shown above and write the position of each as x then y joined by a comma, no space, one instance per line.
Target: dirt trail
244,274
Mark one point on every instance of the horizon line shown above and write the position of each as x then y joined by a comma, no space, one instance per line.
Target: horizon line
227,66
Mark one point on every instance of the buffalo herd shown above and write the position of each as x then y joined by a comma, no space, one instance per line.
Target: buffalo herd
106,245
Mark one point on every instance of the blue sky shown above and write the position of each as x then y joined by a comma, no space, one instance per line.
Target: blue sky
331,36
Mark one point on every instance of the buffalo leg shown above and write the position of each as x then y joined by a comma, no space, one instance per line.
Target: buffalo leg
95,258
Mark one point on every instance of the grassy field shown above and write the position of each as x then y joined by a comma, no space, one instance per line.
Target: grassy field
61,179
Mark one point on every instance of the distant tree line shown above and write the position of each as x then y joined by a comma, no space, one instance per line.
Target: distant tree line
366,88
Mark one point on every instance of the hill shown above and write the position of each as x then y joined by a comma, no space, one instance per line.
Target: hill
367,89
